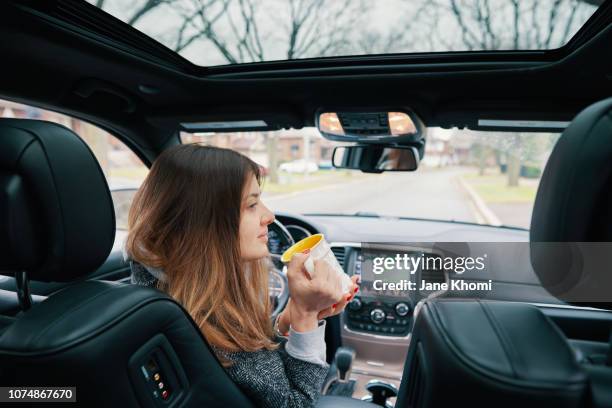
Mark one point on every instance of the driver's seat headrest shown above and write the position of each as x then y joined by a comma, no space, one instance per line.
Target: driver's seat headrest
57,221
574,199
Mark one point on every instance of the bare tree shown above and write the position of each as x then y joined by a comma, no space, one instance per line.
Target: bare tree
525,24
242,31
512,24
310,28
322,27
271,139
140,10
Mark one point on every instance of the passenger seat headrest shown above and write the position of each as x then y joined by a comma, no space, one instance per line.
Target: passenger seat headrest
57,221
573,199
574,205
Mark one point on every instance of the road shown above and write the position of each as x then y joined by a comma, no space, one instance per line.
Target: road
423,194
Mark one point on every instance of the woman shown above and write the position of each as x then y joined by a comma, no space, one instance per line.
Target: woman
198,231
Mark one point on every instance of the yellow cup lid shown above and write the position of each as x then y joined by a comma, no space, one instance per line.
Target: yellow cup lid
301,246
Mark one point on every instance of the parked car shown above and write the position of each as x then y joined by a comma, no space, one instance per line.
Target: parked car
325,165
299,166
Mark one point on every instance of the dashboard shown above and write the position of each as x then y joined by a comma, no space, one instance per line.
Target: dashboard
388,313
376,324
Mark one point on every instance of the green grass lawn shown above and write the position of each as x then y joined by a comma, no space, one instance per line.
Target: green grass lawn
495,189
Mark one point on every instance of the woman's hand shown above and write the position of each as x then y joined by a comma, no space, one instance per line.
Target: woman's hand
284,322
312,294
320,293
339,307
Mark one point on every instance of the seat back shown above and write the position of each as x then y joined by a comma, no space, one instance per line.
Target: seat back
478,353
118,344
573,209
486,353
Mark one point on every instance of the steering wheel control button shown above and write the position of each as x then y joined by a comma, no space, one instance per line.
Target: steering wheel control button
377,316
402,309
160,385
164,394
156,377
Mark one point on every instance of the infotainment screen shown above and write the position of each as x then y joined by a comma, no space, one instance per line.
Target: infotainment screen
397,274
390,279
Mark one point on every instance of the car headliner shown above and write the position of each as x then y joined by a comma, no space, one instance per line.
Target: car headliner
71,57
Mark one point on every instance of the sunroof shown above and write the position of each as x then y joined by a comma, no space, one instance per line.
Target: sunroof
222,32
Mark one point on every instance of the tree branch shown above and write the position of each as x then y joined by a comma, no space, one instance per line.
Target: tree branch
466,34
146,8
568,26
551,22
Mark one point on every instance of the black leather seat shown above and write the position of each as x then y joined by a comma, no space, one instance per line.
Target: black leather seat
573,209
106,339
58,225
476,353
574,200
485,353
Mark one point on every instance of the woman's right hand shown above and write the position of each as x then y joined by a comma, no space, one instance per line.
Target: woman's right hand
311,294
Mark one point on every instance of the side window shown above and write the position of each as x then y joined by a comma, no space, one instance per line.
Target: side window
124,171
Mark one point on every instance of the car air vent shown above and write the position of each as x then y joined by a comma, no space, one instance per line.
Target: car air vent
433,273
339,252
417,379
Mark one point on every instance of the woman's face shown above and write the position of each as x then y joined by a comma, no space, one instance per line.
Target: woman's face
254,220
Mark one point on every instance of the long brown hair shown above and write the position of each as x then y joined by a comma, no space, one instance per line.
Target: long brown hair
185,219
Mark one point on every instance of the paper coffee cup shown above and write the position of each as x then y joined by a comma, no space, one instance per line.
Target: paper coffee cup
319,249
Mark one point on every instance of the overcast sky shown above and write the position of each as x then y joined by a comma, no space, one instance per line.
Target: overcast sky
364,26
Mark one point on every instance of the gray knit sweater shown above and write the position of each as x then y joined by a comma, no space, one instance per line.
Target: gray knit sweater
269,378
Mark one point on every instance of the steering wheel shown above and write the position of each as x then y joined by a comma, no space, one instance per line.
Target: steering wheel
279,239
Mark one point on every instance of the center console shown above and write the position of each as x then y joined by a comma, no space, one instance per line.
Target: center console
377,323
378,310
375,316
388,315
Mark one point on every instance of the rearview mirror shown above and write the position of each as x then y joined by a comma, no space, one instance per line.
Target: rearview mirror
376,158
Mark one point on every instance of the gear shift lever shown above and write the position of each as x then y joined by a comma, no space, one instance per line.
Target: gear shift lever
338,380
344,363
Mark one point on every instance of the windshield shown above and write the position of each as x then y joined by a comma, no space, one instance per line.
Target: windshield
469,176
222,32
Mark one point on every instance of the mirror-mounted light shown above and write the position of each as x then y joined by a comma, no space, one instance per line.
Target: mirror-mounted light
401,124
329,123
393,126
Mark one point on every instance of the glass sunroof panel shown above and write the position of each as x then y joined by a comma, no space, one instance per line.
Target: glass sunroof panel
222,32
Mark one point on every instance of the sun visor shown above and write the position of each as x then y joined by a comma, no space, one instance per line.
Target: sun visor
235,119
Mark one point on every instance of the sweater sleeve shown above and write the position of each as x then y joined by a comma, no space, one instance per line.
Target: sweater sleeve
308,346
274,379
